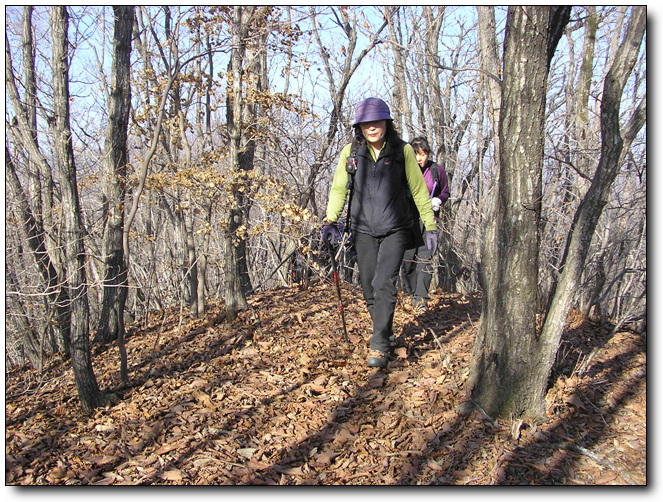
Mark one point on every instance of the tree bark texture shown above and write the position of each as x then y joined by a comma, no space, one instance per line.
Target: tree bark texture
254,62
115,175
30,101
234,295
401,104
504,354
86,383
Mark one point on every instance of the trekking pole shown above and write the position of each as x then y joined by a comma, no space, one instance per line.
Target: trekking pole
330,248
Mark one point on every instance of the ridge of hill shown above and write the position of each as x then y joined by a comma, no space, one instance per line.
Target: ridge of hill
273,398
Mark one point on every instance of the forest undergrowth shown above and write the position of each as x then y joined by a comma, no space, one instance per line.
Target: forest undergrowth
274,398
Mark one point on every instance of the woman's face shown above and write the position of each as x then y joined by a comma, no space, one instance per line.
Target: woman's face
422,157
374,132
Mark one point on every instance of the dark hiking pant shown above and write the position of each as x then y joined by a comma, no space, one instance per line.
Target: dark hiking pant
417,273
379,260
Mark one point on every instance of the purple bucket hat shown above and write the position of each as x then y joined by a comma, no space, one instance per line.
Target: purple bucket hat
371,109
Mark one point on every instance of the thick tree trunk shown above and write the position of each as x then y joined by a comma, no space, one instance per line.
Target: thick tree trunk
504,361
440,120
255,63
115,174
191,272
490,65
234,294
86,383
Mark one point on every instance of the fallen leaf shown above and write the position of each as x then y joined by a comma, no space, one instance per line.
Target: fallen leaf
102,459
575,401
246,452
104,428
56,475
396,378
376,381
515,429
171,446
204,399
540,466
325,458
343,436
606,478
291,471
172,475
434,465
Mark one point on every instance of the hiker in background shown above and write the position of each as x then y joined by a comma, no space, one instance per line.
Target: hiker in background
382,167
418,261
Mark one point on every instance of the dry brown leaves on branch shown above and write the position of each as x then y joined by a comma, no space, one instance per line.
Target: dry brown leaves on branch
273,398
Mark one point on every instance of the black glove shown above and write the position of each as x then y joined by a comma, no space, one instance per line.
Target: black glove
431,240
330,233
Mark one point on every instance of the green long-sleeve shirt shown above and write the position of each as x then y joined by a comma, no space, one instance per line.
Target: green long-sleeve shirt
338,192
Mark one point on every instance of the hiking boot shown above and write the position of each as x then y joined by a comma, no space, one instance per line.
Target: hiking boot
377,359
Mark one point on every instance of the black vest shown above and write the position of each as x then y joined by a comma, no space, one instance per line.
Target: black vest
380,201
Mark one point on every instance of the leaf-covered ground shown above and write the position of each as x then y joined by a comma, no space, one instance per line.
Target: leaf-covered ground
273,398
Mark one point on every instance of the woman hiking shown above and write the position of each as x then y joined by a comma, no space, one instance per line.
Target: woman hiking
418,261
385,171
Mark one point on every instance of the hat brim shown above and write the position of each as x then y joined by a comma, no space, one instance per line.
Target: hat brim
363,120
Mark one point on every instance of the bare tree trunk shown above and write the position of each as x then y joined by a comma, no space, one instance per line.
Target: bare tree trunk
439,117
40,173
29,339
234,294
503,364
115,174
490,65
255,63
30,102
86,383
591,208
401,104
583,134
